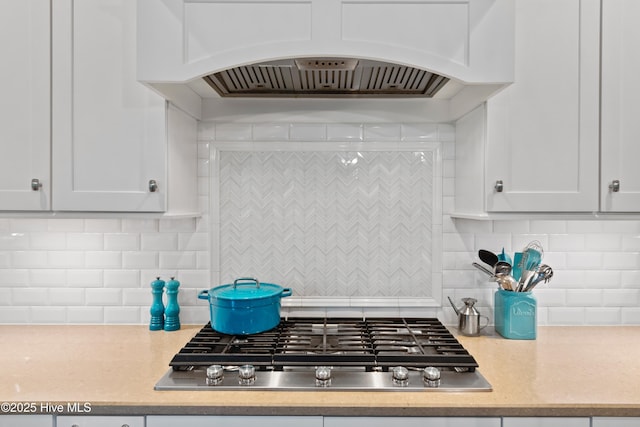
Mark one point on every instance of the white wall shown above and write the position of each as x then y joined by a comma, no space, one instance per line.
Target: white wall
91,270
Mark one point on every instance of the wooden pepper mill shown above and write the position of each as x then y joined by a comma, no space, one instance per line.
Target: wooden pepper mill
172,312
157,307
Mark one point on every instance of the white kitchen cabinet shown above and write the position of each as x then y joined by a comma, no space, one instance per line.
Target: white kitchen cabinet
615,422
98,421
545,422
109,131
540,151
411,422
233,421
26,421
620,93
25,125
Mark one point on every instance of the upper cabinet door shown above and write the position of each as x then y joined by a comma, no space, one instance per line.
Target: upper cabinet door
542,131
24,105
620,176
109,137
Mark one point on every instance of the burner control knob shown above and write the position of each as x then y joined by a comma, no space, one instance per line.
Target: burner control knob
400,376
246,374
215,374
323,376
431,376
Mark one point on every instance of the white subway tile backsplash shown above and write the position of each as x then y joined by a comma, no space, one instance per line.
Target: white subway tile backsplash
228,132
603,316
122,315
159,242
47,277
15,315
26,225
85,278
308,132
29,259
85,241
48,315
14,241
30,296
185,225
103,259
566,316
98,270
419,132
120,278
65,224
177,260
85,315
140,260
99,225
103,296
345,132
270,132
121,242
381,132
446,132
66,259
10,277
66,296
140,225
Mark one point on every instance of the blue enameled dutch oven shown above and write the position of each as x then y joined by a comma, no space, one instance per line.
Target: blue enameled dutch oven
244,307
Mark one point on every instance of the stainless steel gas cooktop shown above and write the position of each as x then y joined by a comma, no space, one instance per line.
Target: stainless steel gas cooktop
383,354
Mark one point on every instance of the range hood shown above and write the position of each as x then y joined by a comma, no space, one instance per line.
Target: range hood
325,77
453,54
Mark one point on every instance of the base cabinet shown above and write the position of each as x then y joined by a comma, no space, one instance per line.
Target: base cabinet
26,421
411,422
96,421
545,422
233,421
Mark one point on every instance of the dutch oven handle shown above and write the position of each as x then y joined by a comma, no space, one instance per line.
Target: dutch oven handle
286,292
203,294
248,279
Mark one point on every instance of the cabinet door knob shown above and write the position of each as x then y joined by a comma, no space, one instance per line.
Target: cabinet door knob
499,186
153,186
614,187
36,184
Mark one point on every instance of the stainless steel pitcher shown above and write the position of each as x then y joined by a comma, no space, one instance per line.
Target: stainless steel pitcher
469,317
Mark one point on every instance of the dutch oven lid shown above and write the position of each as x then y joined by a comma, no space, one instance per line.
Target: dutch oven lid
245,288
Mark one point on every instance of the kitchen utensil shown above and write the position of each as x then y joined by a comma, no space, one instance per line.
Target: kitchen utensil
502,272
534,254
488,257
244,307
502,256
469,317
518,265
544,273
482,268
502,268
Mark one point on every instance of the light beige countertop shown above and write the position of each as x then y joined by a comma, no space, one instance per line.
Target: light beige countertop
567,371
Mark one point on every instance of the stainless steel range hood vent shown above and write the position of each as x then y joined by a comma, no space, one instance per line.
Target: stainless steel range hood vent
325,77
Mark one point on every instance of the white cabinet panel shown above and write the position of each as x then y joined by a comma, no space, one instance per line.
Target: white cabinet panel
620,93
232,421
542,131
94,421
109,132
411,422
615,422
26,421
546,422
25,126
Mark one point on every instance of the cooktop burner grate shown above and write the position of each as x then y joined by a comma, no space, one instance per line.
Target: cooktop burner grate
372,344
